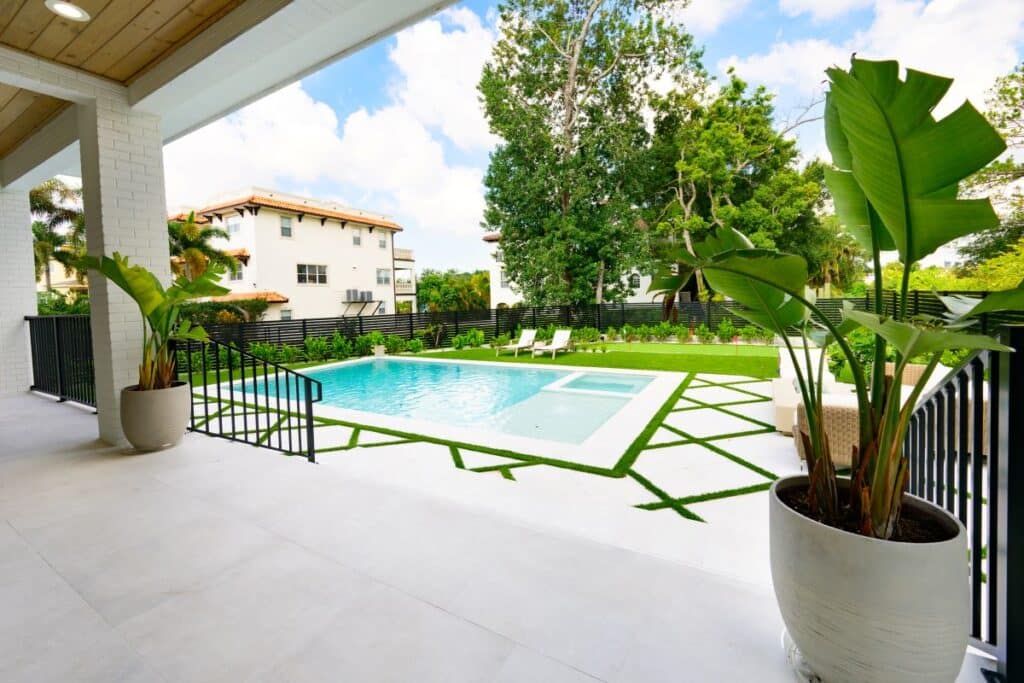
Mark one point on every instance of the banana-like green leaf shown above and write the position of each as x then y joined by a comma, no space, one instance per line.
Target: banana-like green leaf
137,282
906,164
911,340
963,309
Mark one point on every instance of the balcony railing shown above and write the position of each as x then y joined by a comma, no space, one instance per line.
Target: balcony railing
405,287
403,254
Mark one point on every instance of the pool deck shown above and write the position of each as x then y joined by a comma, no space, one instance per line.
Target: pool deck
216,561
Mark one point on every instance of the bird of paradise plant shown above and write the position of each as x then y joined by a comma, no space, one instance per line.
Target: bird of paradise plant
161,312
895,177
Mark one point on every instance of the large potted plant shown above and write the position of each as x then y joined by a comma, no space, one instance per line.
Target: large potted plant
155,411
871,581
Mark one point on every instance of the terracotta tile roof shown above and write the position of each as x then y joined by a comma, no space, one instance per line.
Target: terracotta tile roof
308,210
268,296
240,254
183,216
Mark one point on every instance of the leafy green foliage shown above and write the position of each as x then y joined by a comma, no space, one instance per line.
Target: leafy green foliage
704,334
191,250
316,348
55,303
205,312
566,89
288,353
58,229
454,291
395,344
341,346
161,310
415,346
263,351
726,331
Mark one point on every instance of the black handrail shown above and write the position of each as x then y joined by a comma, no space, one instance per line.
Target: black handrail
967,456
241,397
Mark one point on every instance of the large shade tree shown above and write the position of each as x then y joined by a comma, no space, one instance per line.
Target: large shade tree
566,90
718,160
454,291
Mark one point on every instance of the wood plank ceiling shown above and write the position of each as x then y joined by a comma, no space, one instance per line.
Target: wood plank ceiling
123,39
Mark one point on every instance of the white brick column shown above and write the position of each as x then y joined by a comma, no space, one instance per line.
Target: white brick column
125,211
17,291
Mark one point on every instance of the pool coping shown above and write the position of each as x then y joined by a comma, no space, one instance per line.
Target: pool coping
602,449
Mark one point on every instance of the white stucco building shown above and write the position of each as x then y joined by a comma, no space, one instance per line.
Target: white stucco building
505,293
310,258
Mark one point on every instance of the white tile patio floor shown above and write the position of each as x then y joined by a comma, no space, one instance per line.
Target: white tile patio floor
216,561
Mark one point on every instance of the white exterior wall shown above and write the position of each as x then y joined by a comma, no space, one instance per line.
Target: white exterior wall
17,283
273,260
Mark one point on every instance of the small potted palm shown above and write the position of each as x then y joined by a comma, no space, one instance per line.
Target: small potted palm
155,411
871,581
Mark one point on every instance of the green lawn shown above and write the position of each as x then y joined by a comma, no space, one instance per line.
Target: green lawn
724,359
696,349
751,361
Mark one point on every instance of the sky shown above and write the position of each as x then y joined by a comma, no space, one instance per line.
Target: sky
397,128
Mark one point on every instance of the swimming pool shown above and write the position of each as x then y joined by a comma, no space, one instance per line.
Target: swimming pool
559,405
556,405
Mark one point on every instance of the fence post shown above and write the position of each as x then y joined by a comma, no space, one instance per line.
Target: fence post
622,314
410,326
303,330
707,313
61,389
497,325
360,319
1009,552
917,302
534,317
599,325
456,321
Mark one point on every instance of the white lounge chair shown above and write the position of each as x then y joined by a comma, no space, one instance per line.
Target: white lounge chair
560,342
525,341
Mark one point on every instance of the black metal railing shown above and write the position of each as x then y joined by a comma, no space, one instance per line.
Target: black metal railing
240,397
62,357
966,451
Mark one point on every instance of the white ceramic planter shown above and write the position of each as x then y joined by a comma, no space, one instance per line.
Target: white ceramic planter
862,610
157,419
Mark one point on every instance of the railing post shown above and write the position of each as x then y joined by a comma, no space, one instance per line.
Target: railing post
1009,551
310,447
62,392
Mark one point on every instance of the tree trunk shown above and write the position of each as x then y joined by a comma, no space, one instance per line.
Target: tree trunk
46,277
599,294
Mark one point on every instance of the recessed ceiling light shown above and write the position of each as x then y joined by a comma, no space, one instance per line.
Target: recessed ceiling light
68,10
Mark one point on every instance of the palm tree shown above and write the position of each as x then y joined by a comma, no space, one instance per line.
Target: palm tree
58,228
191,251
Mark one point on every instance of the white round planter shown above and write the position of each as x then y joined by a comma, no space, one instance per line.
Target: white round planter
863,610
156,419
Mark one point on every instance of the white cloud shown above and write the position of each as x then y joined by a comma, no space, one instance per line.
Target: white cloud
391,159
973,41
821,10
440,71
704,17
799,66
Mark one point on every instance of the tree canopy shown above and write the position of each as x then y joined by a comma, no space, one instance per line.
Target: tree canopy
58,228
1002,178
566,89
454,291
191,249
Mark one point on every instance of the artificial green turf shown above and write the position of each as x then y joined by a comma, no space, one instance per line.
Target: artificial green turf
746,365
695,349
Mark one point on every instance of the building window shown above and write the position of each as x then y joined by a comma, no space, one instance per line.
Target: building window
237,275
383,241
311,275
234,225
286,226
504,279
499,257
357,237
286,314
383,276
383,309
634,281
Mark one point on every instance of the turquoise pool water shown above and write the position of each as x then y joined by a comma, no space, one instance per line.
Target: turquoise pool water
511,399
